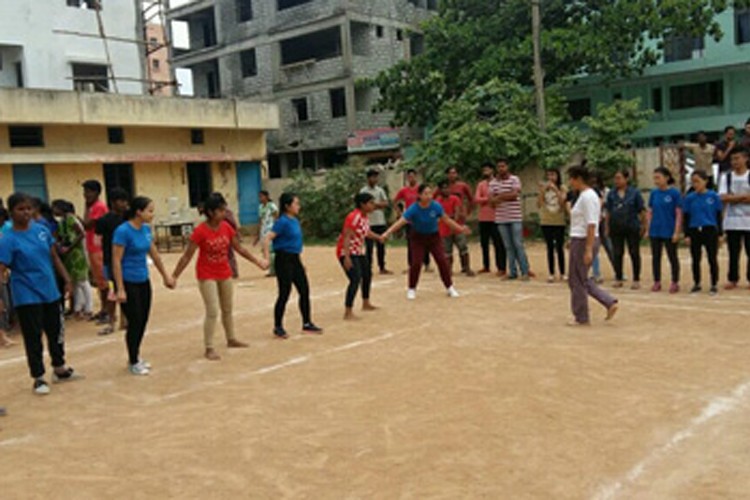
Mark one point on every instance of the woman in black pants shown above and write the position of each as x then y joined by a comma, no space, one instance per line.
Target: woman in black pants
702,211
286,237
625,224
351,253
551,202
132,242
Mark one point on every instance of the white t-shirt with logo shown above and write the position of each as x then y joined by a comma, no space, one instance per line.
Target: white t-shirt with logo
737,215
586,211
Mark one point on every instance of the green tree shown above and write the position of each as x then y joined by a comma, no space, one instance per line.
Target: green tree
472,42
496,120
608,146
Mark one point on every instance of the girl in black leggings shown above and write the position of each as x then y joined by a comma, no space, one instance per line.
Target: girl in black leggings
286,237
131,244
702,211
551,203
351,253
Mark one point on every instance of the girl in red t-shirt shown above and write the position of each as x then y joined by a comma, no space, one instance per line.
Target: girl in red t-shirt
351,252
214,238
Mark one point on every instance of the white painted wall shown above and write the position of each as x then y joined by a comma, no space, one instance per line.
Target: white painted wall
47,56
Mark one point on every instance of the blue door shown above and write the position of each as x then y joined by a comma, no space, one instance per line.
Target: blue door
248,191
30,179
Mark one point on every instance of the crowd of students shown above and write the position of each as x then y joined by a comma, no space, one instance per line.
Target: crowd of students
47,254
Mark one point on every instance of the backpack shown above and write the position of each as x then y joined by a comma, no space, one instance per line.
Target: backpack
729,181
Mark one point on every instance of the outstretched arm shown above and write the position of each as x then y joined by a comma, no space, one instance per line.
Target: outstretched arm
267,245
184,260
455,226
245,253
154,254
395,227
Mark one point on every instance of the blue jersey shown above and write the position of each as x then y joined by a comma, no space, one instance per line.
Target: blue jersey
664,205
424,220
288,233
702,209
136,244
28,255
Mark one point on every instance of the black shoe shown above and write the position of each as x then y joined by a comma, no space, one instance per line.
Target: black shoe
68,375
311,328
280,333
714,290
696,289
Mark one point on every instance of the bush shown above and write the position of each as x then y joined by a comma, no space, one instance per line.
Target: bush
326,200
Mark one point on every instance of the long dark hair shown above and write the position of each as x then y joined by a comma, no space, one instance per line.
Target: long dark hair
214,202
558,182
138,204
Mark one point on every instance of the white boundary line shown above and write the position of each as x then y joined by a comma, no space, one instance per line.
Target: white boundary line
297,360
717,407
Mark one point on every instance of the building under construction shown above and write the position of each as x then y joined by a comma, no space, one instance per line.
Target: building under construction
306,56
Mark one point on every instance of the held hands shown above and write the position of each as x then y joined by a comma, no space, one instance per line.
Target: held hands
466,230
263,264
68,289
676,238
170,282
122,297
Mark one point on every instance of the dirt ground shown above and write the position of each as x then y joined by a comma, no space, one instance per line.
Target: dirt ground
486,396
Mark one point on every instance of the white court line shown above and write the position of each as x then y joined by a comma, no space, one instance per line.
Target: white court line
717,407
297,360
18,440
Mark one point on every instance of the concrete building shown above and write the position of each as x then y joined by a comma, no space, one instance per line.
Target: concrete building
35,54
176,151
699,85
158,69
306,56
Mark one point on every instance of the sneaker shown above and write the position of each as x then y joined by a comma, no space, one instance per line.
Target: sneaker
280,333
411,294
139,369
696,289
40,387
674,288
311,328
551,279
67,376
714,290
656,287
145,363
453,293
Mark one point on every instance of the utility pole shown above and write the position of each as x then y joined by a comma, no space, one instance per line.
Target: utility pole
536,33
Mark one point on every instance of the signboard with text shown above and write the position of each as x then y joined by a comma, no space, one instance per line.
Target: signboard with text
379,139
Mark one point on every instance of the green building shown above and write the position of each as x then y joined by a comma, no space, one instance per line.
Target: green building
700,85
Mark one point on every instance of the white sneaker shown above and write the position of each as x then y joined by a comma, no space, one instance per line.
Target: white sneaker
40,387
453,293
139,369
145,363
411,294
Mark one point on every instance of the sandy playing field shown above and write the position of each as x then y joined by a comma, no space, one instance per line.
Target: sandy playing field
487,396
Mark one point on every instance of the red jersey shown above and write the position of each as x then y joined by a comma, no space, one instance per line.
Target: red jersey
408,195
96,212
213,255
360,225
451,205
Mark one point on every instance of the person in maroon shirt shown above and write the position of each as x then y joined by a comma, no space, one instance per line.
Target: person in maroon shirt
406,197
454,209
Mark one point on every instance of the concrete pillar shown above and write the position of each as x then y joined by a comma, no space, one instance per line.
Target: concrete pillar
348,57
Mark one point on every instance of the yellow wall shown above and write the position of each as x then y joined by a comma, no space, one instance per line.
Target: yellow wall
89,144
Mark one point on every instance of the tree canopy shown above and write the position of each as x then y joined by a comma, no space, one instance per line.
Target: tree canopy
472,42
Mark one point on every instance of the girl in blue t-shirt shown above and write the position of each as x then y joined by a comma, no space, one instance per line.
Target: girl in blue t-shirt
702,213
28,251
286,237
664,223
423,218
132,243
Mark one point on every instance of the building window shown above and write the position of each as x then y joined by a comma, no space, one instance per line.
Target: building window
301,111
249,63
416,42
199,182
274,166
26,136
579,108
379,32
432,4
85,4
656,100
30,178
338,102
153,42
317,46
196,136
116,135
155,64
118,175
400,35
696,95
288,4
90,77
741,26
19,75
244,10
683,48
309,160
